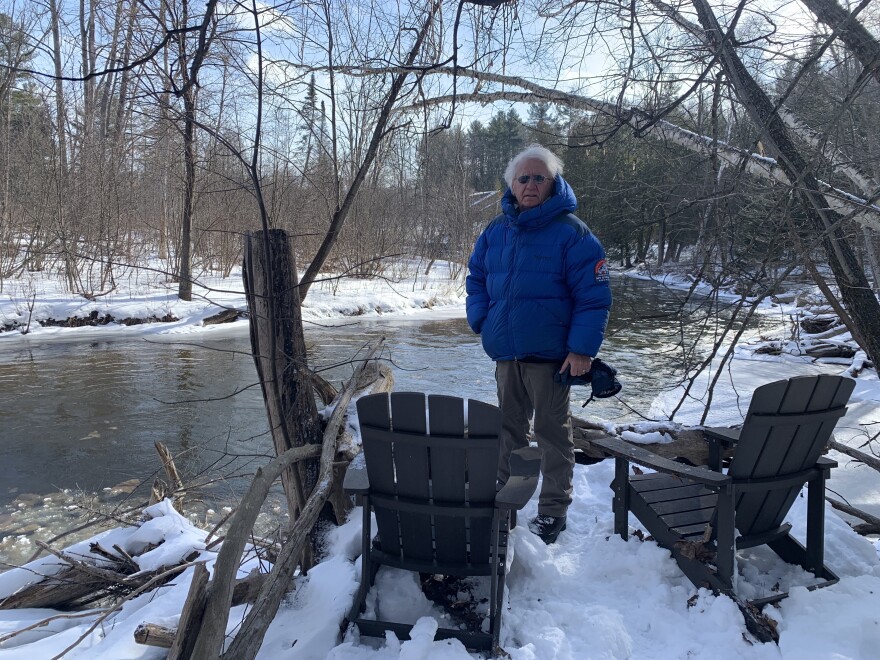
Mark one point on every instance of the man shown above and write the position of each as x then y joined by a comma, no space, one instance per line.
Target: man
538,294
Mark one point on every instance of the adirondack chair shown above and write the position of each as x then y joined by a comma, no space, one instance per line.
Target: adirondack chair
430,479
703,516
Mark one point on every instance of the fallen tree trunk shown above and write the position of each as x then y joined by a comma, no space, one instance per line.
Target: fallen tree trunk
872,523
862,457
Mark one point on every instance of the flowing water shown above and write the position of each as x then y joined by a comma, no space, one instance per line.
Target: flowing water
79,420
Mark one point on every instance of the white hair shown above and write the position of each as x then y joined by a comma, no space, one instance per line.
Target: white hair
536,152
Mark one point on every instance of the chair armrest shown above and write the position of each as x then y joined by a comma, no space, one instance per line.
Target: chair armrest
525,466
825,462
356,481
635,454
726,436
719,439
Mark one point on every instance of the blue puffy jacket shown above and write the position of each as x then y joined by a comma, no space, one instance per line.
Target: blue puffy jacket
538,282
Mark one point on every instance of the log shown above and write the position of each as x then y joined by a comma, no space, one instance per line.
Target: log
813,325
226,316
831,351
151,634
688,444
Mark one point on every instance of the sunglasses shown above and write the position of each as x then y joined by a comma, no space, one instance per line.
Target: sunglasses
537,178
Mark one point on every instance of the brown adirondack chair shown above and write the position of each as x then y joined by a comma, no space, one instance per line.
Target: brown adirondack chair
703,516
430,479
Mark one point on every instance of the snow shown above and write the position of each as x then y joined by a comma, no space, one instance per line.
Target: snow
590,595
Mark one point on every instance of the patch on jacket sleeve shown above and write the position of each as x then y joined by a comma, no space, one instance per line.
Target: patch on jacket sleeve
602,275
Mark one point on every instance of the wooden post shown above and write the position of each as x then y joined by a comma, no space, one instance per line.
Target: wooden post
279,351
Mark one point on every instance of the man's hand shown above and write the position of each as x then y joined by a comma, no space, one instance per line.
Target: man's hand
577,363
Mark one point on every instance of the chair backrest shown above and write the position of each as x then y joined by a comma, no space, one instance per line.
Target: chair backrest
785,431
432,479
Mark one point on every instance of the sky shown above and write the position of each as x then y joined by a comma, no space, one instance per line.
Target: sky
590,595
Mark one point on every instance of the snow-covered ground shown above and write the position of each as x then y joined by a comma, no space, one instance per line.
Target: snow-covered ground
590,595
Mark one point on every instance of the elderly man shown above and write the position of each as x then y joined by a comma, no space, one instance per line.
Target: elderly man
538,294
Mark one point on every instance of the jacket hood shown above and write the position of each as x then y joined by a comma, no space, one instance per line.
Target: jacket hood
561,201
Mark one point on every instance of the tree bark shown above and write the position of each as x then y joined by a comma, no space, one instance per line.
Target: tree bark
279,350
858,40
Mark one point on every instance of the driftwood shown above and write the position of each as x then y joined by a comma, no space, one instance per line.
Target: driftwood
193,609
151,634
155,579
325,391
210,640
151,584
226,316
687,444
862,457
174,488
871,524
245,591
814,325
831,351
79,583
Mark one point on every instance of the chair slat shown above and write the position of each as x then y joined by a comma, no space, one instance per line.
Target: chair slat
484,420
375,411
686,504
673,494
448,474
697,517
409,413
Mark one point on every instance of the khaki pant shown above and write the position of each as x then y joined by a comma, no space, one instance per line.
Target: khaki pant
525,388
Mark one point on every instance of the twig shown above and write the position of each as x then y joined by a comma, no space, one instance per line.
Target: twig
137,592
44,622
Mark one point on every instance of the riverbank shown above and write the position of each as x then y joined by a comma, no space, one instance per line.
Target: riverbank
588,596
38,308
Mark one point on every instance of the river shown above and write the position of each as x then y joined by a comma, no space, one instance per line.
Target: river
79,420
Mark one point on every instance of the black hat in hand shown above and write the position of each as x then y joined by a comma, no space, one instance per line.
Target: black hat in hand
601,377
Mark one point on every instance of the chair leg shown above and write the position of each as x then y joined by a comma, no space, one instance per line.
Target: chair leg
368,570
620,504
815,556
497,580
725,558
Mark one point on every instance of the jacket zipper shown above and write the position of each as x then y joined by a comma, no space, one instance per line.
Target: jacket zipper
510,332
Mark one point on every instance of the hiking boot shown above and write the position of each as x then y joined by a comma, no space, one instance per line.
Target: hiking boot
547,527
